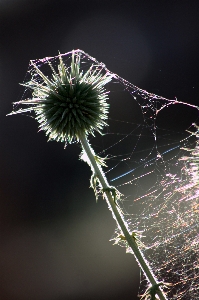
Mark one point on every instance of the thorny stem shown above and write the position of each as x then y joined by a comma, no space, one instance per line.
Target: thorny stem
97,171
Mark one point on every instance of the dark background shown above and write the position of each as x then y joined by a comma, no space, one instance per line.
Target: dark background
54,239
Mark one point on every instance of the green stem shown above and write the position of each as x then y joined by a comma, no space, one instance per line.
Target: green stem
97,171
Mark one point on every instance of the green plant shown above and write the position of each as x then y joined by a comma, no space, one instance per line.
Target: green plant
69,106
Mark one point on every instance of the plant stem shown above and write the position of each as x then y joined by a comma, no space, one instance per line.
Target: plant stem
98,172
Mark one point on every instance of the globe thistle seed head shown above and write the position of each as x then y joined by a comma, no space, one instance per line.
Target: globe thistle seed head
70,102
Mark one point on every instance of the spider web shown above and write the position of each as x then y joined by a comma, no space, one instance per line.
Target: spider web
153,161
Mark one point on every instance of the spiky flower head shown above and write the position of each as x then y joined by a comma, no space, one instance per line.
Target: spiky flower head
70,102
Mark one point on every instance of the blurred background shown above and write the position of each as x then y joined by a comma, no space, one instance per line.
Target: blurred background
54,238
